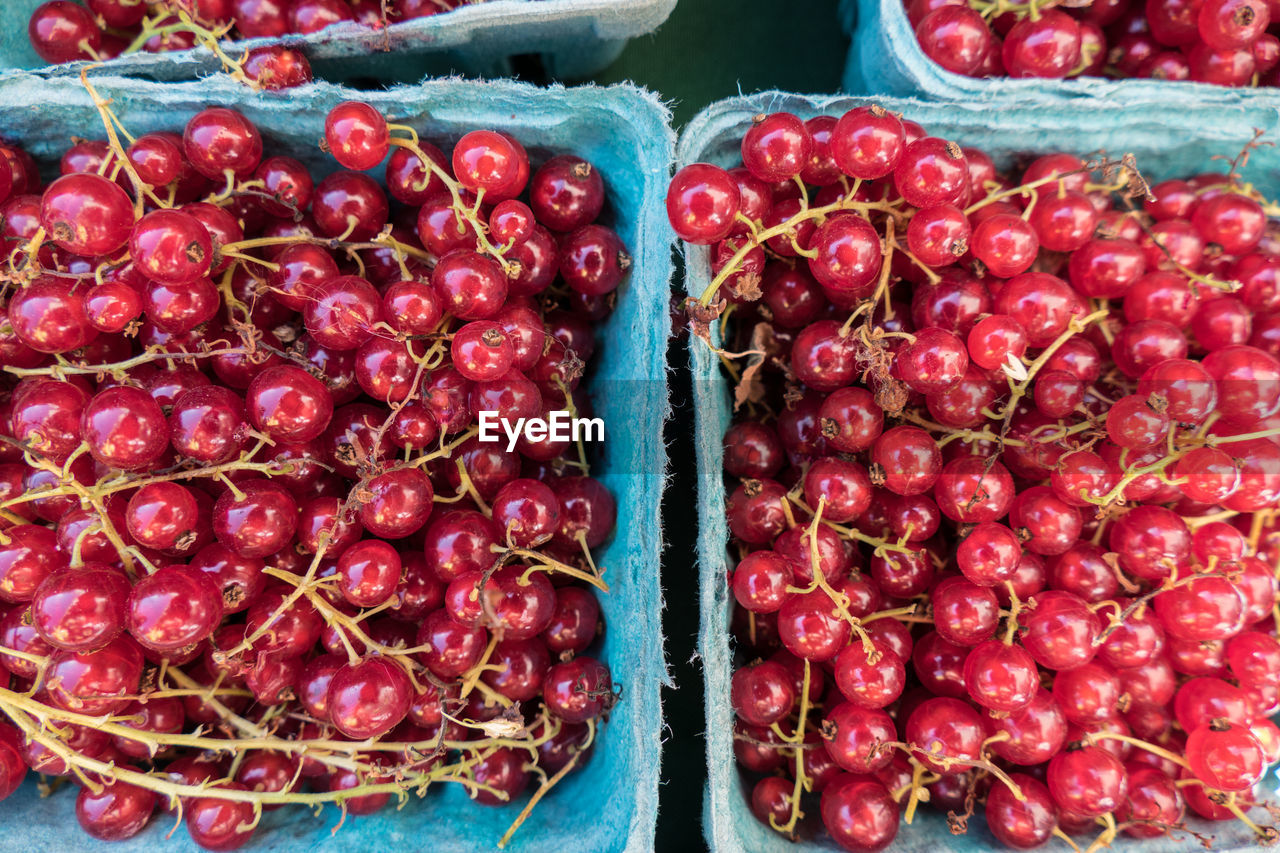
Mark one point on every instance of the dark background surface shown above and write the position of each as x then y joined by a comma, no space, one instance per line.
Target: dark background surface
708,50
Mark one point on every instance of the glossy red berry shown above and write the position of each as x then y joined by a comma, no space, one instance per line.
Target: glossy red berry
289,404
1225,757
1022,822
124,428
217,140
776,147
256,519
566,193
171,247
578,690
702,203
86,214
859,812
357,135
115,810
369,698
62,31
1088,781
956,37
80,609
762,694
49,316
220,824
173,608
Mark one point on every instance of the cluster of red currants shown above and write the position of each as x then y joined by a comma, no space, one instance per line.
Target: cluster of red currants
1225,42
66,31
252,550
1006,482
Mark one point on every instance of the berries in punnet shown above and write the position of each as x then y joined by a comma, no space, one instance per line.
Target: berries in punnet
1225,42
240,482
1004,483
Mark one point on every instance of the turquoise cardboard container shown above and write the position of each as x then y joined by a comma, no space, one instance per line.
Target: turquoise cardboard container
885,58
576,38
611,804
1166,143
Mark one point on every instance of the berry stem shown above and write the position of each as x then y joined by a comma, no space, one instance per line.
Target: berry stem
1215,440
206,37
1107,835
117,369
1021,189
898,613
550,564
109,121
966,435
544,788
1142,744
802,780
916,790
947,761
1266,832
1062,836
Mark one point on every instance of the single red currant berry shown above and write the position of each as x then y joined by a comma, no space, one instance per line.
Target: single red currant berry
175,607
907,459
369,698
256,518
221,824
398,503
1226,757
859,812
1006,243
867,142
776,147
593,260
357,135
702,203
1022,822
578,690
80,609
62,31
1002,678
566,193
289,404
470,286
114,811
956,37
989,555
342,312
124,428
163,516
931,171
933,362
171,247
972,489
217,140
762,694
1134,424
939,236
1048,46
86,214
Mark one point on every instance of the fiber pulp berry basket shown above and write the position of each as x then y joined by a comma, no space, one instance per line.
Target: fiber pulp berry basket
885,58
714,136
610,804
575,38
